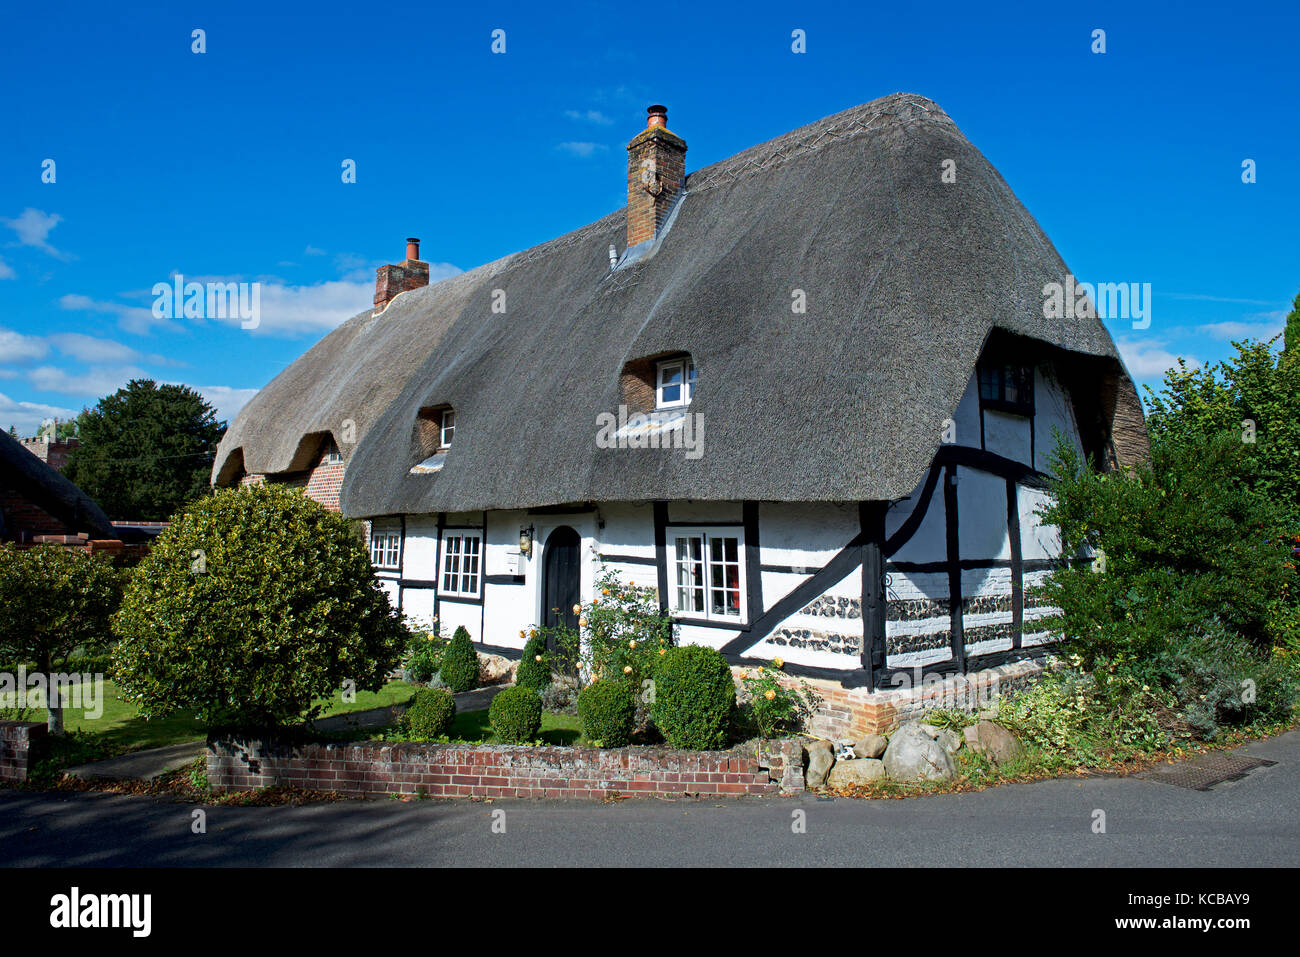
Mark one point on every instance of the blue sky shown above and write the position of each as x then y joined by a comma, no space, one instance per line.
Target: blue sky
227,164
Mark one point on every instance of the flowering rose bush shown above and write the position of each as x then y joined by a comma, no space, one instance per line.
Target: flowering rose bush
775,707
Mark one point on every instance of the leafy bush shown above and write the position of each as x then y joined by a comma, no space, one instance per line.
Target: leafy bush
251,604
607,710
694,697
777,708
430,715
460,662
423,655
516,715
622,632
54,600
534,664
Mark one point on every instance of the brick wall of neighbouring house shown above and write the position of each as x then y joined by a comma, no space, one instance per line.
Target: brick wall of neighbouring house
321,482
851,713
24,519
456,770
16,741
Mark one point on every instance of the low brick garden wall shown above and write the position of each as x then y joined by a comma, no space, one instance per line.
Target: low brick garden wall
462,770
16,741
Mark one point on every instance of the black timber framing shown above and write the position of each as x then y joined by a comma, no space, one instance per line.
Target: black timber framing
951,524
871,518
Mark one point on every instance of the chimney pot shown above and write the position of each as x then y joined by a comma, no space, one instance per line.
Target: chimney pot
658,116
413,249
393,280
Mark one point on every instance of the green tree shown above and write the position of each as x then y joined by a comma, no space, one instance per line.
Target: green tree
54,601
254,602
1291,335
145,450
1254,395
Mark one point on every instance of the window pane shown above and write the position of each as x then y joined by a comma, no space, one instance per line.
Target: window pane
724,576
690,574
690,381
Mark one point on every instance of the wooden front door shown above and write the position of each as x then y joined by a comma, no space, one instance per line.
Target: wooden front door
561,578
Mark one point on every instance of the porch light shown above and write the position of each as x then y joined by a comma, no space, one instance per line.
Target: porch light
526,541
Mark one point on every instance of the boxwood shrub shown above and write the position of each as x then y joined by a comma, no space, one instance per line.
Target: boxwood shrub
534,666
431,713
607,710
694,698
460,663
516,715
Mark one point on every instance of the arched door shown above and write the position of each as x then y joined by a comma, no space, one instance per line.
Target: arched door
561,578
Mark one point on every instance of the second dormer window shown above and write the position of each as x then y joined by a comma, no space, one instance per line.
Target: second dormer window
675,383
448,428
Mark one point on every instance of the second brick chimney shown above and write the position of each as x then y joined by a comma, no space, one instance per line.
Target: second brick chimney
410,273
656,171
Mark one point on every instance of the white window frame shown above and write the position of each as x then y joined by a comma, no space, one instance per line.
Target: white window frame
686,366
332,455
706,561
446,432
462,562
386,545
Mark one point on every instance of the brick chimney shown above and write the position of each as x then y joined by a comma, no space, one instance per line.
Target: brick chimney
656,170
410,273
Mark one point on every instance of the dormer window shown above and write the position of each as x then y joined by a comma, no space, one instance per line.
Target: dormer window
448,428
675,383
1007,387
332,454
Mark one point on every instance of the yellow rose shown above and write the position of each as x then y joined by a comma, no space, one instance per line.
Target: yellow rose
663,651
631,644
538,657
521,633
577,609
778,663
627,669
604,591
582,623
769,694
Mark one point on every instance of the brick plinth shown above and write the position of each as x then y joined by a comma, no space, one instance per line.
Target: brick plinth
851,713
459,770
16,741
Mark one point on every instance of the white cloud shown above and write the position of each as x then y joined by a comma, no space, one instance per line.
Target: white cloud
92,349
26,417
1148,359
16,347
313,251
581,149
225,399
95,382
1237,331
33,228
138,320
589,116
6,271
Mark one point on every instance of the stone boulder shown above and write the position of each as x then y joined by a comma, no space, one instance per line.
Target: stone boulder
949,740
993,741
856,772
872,746
495,670
913,755
821,757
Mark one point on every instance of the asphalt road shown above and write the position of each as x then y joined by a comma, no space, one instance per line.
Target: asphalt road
1247,823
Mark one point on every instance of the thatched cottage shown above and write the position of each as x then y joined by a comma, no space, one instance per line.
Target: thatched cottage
807,392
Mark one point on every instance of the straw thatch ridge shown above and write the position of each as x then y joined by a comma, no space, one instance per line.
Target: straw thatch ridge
905,277
47,488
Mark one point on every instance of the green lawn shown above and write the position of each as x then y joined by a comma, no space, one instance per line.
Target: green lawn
122,728
556,728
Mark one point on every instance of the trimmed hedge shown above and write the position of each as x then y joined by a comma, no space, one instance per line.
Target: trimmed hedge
516,715
534,666
694,698
431,713
460,663
607,710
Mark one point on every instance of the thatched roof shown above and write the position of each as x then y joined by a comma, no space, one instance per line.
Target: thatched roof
46,487
905,277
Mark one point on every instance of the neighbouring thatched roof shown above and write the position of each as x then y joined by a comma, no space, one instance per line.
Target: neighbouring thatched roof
905,278
45,486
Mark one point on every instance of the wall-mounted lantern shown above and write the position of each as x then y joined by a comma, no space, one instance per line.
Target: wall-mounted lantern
526,541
